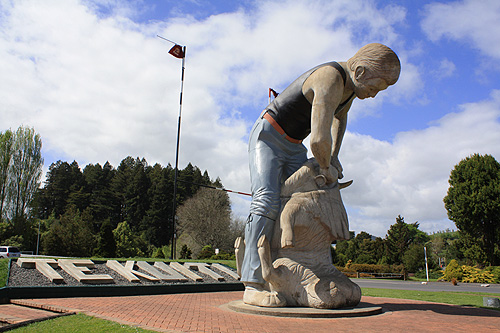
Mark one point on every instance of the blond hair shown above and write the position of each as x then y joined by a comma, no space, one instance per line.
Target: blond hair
379,59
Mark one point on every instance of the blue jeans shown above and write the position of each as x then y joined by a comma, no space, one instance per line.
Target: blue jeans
272,160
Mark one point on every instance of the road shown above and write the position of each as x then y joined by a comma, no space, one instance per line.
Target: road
430,286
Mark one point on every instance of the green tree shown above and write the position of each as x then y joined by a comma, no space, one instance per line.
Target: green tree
136,196
446,246
25,172
341,258
185,252
128,243
189,181
131,186
70,235
206,252
472,251
399,238
414,257
6,142
6,232
135,192
186,183
369,250
361,249
62,180
473,202
106,244
101,199
156,223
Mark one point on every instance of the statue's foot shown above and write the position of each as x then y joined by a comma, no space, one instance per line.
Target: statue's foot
255,294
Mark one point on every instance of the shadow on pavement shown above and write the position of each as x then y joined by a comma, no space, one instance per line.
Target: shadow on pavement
446,309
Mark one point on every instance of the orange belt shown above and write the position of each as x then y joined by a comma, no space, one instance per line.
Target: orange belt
277,127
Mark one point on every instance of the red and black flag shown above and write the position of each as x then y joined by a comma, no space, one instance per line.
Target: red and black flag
177,51
271,91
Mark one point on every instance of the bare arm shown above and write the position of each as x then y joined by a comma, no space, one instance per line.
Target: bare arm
324,90
338,130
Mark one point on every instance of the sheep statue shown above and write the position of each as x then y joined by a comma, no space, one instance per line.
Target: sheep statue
297,263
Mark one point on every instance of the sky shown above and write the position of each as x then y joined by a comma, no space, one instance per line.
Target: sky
95,81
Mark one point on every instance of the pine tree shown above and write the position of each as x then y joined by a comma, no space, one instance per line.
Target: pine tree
399,238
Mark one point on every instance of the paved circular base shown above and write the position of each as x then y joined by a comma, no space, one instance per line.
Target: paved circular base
362,309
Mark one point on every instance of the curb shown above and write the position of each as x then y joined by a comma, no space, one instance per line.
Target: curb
8,293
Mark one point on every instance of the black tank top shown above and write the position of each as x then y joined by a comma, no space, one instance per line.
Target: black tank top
291,109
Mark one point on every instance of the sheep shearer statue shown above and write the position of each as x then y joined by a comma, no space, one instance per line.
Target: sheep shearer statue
296,210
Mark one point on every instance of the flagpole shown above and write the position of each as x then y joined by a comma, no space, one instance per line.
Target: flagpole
175,52
173,246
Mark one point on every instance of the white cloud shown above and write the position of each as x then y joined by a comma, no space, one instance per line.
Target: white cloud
101,88
477,22
446,69
410,175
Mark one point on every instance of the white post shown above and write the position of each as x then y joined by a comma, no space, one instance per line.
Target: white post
38,238
426,266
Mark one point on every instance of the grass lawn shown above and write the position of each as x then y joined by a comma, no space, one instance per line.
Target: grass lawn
77,323
458,298
4,266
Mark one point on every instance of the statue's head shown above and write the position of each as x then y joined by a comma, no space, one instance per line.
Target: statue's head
375,66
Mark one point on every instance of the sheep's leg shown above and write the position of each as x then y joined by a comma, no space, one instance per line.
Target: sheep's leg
286,225
265,259
255,293
239,252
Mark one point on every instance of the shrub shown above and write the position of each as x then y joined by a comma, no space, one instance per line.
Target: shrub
495,270
433,274
185,252
223,256
128,244
470,274
206,252
476,275
347,271
371,268
158,253
161,252
453,271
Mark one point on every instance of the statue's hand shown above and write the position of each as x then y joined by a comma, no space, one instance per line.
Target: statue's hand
334,162
330,175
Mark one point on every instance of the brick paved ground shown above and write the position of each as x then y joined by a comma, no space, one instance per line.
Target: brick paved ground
11,314
202,313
